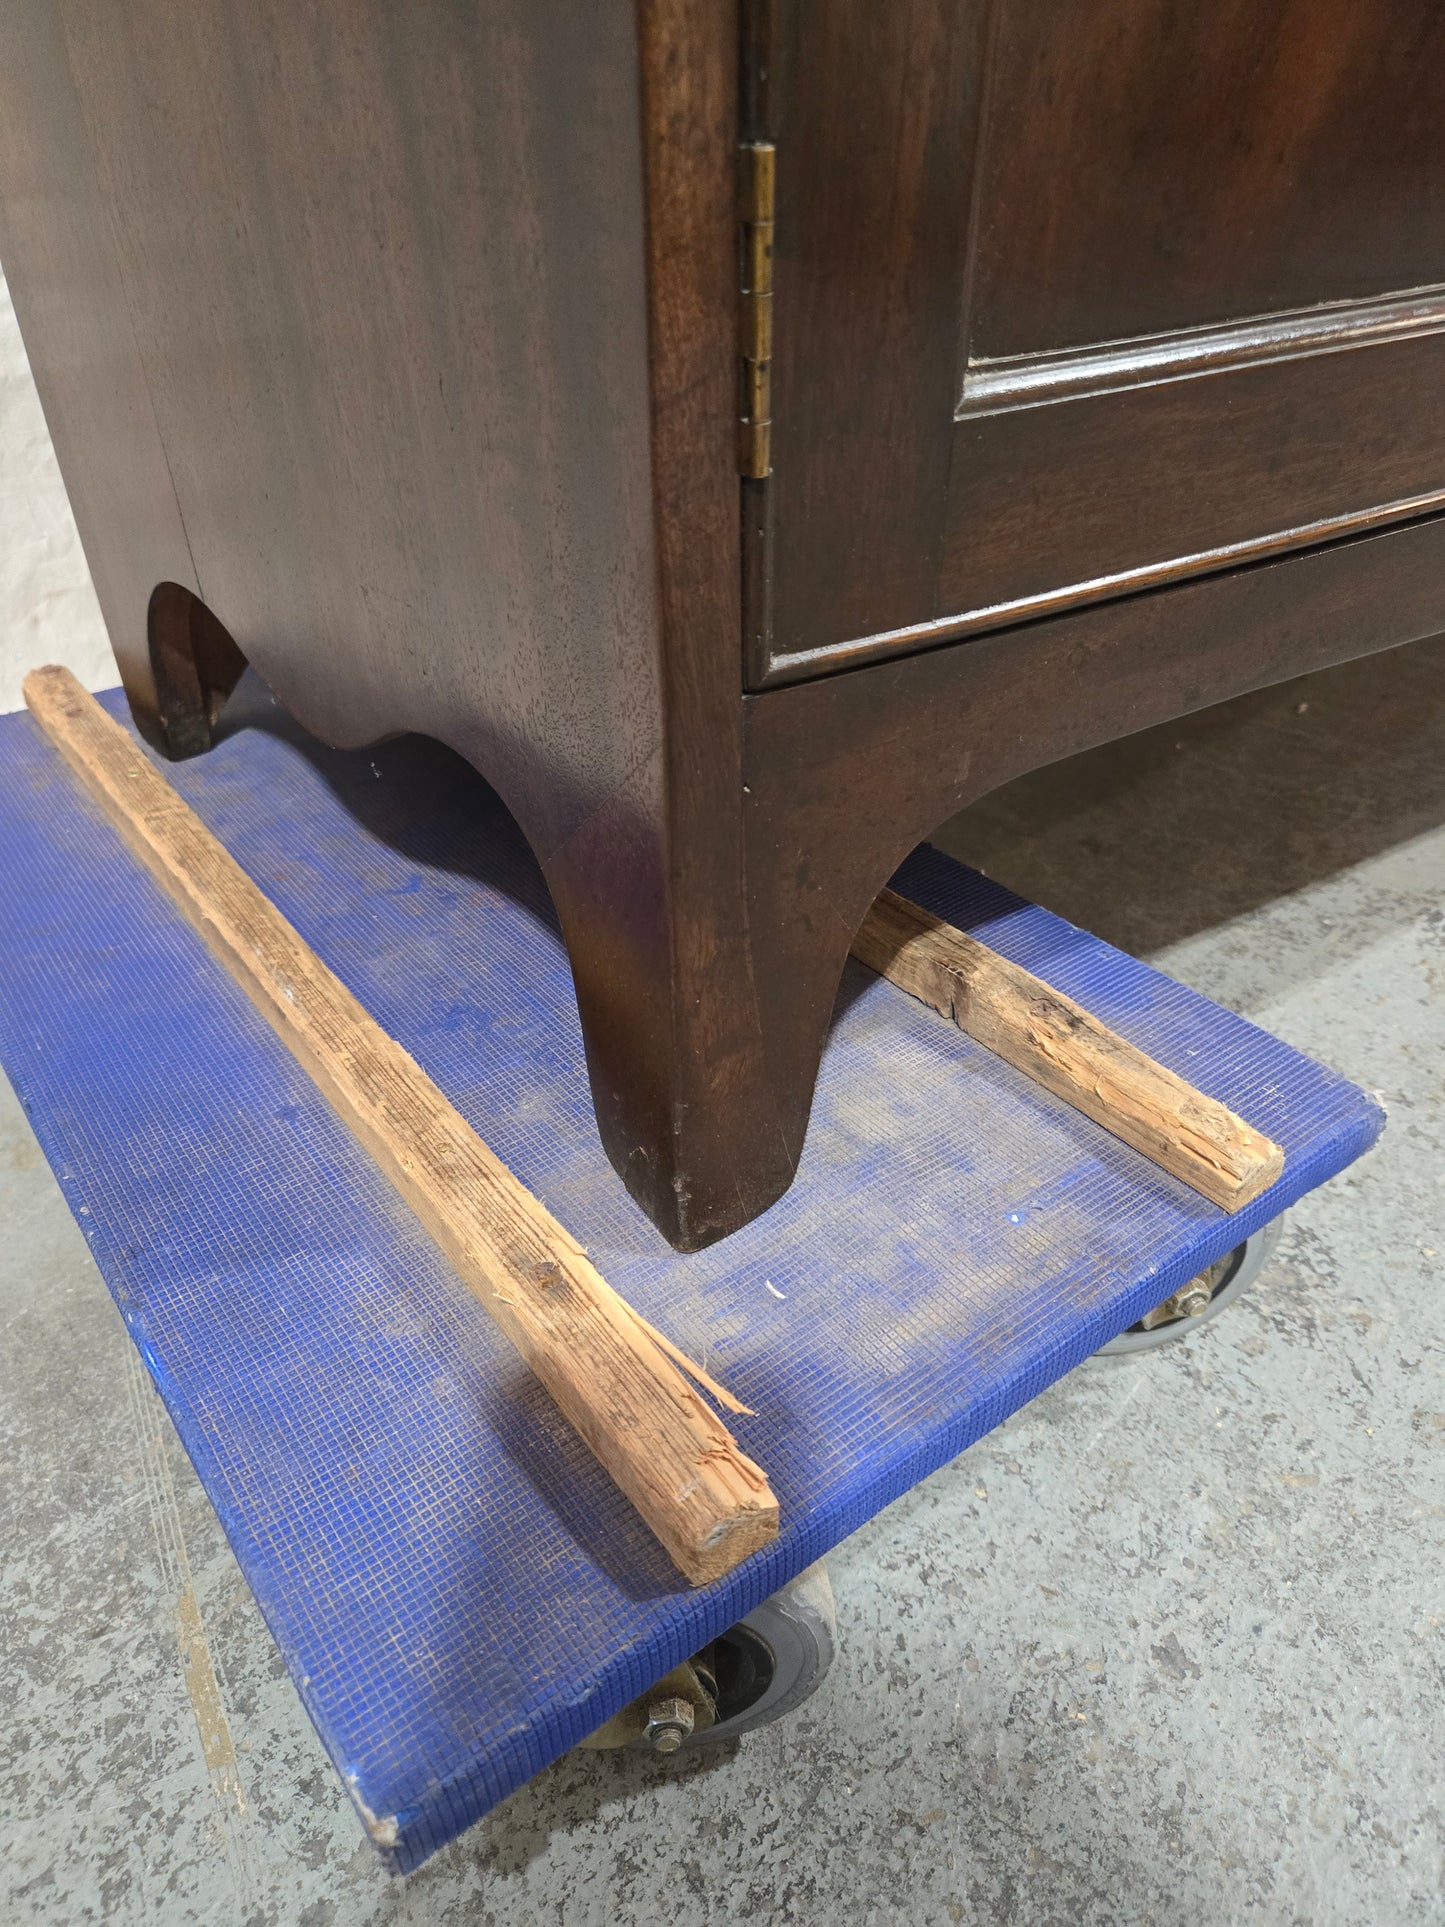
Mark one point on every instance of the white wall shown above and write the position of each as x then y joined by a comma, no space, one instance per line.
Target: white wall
48,610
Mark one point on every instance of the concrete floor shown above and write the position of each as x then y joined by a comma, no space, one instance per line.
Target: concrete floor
1166,1647
48,610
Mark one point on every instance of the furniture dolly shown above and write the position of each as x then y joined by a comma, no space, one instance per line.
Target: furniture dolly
458,1590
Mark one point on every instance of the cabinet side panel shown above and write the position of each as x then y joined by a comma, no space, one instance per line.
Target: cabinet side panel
57,250
383,268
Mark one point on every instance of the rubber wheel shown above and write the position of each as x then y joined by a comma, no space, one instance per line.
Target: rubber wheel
1232,1275
773,1660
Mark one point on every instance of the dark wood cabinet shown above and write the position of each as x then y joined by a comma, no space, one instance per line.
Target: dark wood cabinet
1081,298
745,434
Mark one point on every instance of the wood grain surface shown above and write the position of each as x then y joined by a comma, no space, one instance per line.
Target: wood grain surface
970,185
1061,1046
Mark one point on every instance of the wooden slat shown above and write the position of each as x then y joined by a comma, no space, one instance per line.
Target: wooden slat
1057,1043
612,1376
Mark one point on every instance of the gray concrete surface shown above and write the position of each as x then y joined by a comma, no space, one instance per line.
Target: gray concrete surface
1164,1648
48,610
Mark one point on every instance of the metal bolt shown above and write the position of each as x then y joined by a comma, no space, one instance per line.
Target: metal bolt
1190,1301
668,1723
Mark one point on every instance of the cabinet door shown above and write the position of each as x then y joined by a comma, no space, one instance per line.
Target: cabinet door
1076,298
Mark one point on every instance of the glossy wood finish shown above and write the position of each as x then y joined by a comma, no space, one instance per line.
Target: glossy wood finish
387,333
390,327
716,1153
868,265
399,346
991,386
57,250
847,773
1149,167
1182,195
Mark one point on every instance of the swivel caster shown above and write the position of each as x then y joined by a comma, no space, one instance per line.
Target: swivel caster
1202,1298
751,1675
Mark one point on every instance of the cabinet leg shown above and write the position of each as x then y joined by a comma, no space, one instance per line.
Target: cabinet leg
704,1022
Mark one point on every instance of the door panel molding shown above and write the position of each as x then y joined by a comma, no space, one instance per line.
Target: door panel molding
997,385
806,664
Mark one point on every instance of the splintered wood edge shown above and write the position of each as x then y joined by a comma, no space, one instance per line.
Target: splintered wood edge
1061,1046
616,1379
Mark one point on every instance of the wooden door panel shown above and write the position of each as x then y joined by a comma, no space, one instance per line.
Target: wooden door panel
872,106
1184,263
1057,504
1152,165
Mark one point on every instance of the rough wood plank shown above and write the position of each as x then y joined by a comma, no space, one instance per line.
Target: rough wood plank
608,1371
1058,1044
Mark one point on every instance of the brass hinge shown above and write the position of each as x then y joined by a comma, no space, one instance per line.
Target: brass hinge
756,174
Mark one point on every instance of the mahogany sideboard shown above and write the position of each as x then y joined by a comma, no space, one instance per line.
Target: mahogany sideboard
745,432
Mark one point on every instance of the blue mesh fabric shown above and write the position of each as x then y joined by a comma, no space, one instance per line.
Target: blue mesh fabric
457,1589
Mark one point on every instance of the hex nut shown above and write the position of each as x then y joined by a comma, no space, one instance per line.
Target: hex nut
668,1724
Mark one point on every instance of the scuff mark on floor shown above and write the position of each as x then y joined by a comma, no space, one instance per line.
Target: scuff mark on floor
204,1689
154,1438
